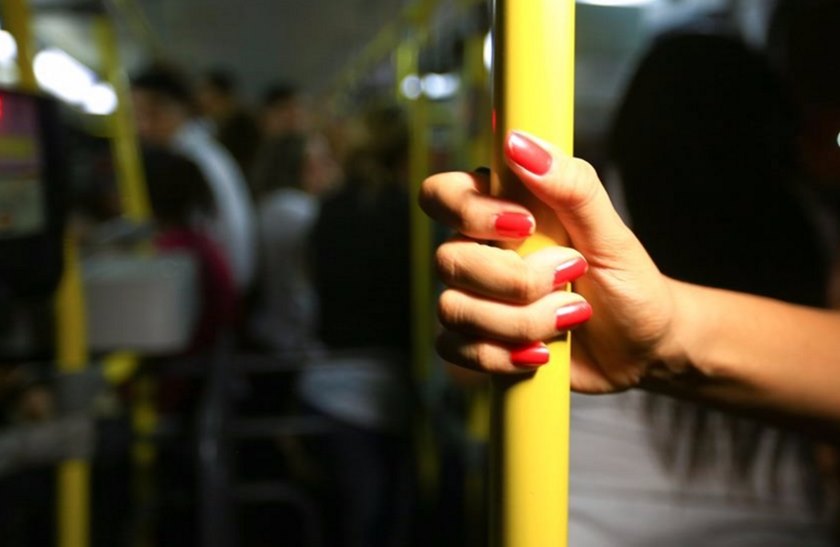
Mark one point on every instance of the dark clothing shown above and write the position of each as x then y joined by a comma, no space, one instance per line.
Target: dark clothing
362,270
240,135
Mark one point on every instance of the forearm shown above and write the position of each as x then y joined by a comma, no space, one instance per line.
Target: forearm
756,353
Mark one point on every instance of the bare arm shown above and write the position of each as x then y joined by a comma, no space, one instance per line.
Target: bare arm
754,353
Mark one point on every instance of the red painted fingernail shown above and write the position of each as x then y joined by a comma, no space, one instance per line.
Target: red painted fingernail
573,315
569,271
514,225
528,154
533,355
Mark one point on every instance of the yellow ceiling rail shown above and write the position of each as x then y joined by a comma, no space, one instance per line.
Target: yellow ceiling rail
533,91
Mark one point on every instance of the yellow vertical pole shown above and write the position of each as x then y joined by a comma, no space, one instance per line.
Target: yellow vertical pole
136,207
73,477
124,143
72,355
407,63
533,91
16,20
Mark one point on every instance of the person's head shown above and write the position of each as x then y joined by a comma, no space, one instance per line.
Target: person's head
283,111
163,103
217,94
388,137
704,143
302,161
177,189
804,47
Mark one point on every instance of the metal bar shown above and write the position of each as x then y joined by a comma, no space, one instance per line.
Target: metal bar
533,91
73,507
129,167
407,63
73,476
17,21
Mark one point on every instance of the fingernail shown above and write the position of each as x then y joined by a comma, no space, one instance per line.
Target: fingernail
514,225
572,315
528,154
569,271
531,355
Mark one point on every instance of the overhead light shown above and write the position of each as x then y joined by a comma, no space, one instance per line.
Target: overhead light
411,87
441,86
63,76
100,100
8,47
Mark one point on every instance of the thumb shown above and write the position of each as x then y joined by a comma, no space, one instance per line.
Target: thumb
571,187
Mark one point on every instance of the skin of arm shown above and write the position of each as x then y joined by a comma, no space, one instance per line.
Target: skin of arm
753,353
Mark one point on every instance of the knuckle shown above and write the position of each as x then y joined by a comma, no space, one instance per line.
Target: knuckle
484,358
450,310
524,286
446,263
582,181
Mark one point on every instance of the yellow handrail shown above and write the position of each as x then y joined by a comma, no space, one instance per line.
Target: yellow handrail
533,91
16,20
73,477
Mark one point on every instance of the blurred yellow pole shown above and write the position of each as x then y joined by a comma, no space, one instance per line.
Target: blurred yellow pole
16,20
73,488
136,207
129,167
73,480
533,91
422,312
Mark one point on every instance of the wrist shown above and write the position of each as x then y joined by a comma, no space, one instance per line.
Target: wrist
675,359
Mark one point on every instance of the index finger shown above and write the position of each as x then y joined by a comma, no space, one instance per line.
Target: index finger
460,201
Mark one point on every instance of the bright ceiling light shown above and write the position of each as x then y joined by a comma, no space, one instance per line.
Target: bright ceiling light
8,47
411,87
441,86
100,100
63,76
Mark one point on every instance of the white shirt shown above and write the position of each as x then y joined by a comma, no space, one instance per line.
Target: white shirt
621,494
233,225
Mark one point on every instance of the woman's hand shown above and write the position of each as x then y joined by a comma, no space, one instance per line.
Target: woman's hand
499,307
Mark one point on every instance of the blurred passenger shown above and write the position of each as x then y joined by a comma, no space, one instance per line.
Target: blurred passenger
299,170
163,107
703,145
178,191
283,112
361,269
233,126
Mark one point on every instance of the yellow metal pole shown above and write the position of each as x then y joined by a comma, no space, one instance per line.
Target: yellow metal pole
72,355
407,63
16,20
123,135
73,477
533,91
136,207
